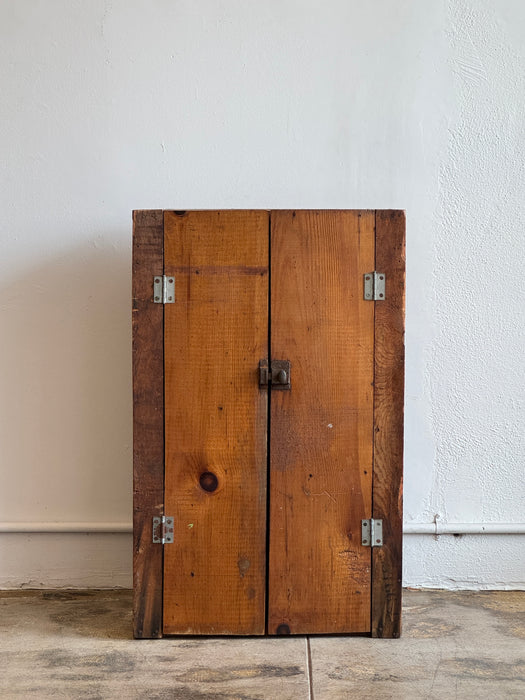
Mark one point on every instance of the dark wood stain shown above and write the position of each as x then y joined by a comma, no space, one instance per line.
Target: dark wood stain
389,366
148,422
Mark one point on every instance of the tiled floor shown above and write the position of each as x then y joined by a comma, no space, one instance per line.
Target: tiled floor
78,644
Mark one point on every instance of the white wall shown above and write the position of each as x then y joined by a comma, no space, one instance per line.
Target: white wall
126,104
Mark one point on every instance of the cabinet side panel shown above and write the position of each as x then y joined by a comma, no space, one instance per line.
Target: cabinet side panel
388,424
322,429
148,422
216,417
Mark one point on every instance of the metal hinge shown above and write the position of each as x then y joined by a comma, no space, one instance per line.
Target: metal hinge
164,289
163,529
372,533
375,286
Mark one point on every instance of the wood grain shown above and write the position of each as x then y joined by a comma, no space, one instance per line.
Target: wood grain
148,422
216,421
388,424
321,430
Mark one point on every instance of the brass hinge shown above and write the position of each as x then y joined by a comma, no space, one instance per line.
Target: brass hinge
374,286
164,289
162,529
372,533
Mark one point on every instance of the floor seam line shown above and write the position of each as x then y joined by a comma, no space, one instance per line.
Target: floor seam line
309,670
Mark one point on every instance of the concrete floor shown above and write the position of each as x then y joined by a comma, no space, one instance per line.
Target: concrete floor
78,644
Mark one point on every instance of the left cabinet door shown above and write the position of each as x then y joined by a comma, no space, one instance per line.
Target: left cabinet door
215,422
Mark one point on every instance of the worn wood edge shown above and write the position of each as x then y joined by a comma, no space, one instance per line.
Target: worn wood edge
148,422
388,425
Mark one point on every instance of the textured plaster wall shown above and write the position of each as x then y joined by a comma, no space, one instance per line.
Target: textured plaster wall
474,374
110,106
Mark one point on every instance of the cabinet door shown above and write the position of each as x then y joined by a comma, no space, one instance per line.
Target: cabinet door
322,429
215,422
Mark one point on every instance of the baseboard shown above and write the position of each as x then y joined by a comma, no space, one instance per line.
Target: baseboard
464,562
66,560
104,560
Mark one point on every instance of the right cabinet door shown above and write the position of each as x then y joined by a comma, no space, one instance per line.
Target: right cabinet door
322,429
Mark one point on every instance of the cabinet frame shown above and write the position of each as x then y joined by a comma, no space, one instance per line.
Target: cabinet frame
148,423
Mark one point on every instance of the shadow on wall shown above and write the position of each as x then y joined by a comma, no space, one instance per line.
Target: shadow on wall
66,406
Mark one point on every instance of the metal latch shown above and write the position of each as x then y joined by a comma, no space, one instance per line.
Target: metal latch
372,533
375,286
277,374
163,530
164,289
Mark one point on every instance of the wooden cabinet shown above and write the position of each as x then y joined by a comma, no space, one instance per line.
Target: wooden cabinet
268,422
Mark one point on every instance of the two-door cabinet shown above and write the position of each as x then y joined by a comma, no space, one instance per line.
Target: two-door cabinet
268,363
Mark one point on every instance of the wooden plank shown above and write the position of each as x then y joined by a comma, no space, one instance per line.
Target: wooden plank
148,422
321,430
388,424
216,420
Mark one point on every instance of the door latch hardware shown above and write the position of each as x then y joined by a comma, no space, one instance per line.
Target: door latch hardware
277,374
372,533
164,289
375,286
162,530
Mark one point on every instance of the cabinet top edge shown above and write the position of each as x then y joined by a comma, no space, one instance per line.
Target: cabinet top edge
188,211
